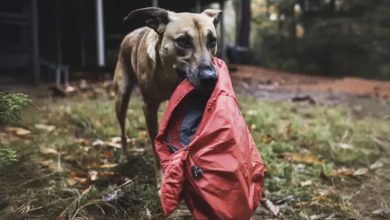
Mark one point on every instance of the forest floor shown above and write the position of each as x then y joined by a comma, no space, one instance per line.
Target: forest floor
325,142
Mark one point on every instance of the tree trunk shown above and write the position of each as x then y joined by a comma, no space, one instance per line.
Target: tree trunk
244,30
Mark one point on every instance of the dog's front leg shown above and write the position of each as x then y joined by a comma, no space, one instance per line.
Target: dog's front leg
150,111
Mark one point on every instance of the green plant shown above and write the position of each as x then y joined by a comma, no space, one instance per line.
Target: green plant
10,108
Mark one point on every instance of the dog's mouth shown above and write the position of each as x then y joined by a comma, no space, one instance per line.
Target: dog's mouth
204,80
183,74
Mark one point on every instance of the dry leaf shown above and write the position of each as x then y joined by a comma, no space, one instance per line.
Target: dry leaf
75,180
302,158
376,165
47,128
49,164
305,183
97,143
87,190
49,151
275,209
301,204
106,173
285,200
71,182
344,146
82,141
18,131
93,175
137,150
108,166
70,89
343,172
116,140
114,145
360,172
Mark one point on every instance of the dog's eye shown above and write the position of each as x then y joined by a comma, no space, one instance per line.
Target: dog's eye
212,41
184,42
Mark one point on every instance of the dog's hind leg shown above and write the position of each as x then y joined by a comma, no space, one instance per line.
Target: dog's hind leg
150,111
124,84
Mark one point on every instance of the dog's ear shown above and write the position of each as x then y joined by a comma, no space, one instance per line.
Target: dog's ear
214,14
155,18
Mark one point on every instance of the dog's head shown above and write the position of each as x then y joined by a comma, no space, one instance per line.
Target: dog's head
187,42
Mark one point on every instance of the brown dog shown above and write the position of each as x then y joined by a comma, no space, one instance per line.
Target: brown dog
172,47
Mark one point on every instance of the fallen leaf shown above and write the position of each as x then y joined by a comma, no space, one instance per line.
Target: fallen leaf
137,150
345,146
18,131
83,85
380,212
114,145
324,194
75,180
275,209
71,182
301,204
360,172
285,200
376,165
112,196
108,166
93,175
302,158
116,140
87,190
316,217
70,89
305,183
49,164
343,172
106,173
47,128
82,141
97,143
49,151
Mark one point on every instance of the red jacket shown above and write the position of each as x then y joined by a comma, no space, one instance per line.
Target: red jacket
220,173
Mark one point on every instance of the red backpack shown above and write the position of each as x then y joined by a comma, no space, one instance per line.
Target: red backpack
216,168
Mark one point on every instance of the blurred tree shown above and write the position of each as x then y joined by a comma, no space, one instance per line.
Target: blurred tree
331,37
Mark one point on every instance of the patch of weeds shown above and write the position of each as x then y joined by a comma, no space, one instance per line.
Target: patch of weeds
7,156
302,146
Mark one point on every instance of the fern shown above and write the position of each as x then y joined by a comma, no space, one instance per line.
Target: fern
10,110
11,105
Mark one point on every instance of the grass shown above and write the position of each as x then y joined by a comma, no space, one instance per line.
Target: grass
303,146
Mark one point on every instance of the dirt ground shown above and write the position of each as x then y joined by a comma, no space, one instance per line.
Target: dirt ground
364,97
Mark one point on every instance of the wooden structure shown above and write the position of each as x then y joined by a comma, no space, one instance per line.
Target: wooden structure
40,37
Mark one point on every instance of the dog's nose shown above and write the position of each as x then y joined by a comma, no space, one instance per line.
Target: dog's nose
207,76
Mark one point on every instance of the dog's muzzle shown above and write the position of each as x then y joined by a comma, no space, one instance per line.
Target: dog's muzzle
207,77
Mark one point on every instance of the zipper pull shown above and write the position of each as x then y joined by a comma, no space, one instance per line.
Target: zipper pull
197,172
